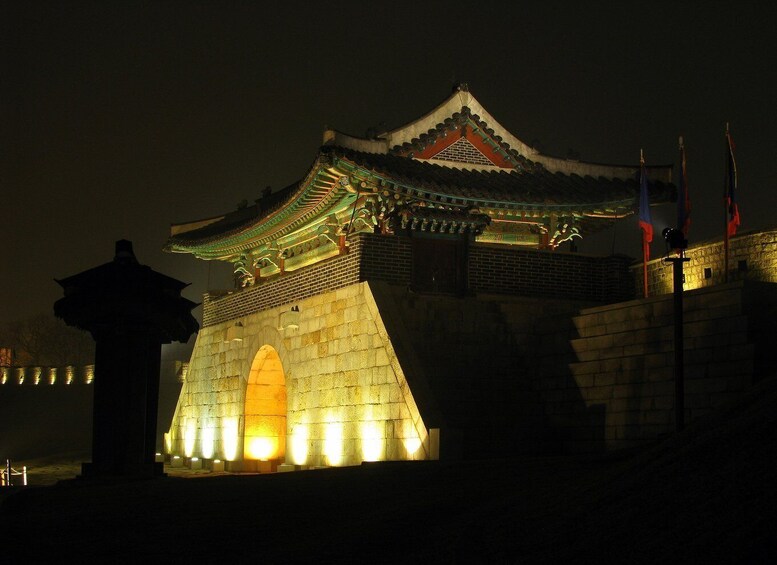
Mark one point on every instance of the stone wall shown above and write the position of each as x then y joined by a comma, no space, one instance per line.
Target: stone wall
469,362
607,378
495,374
524,362
348,400
752,256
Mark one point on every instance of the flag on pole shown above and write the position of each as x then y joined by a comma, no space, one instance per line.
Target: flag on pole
732,210
683,198
645,221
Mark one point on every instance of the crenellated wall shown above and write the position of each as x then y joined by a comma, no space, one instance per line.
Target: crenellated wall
752,256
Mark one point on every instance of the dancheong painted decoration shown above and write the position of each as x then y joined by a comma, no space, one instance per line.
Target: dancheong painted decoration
454,171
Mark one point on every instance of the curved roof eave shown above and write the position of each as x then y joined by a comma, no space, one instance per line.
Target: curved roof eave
475,187
284,218
320,192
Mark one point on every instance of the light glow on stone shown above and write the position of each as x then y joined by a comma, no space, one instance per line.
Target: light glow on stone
168,442
299,444
89,377
411,445
208,442
333,443
372,441
189,437
262,448
229,438
69,374
52,375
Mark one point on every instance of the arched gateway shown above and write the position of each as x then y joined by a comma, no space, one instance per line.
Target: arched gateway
265,408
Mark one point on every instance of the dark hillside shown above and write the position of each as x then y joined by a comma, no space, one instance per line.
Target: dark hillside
706,495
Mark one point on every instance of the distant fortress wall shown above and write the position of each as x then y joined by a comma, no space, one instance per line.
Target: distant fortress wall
47,376
48,410
45,410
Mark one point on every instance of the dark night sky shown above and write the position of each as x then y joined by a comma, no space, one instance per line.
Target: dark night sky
119,120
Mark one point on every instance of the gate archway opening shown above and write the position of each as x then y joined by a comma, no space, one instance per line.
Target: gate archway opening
265,408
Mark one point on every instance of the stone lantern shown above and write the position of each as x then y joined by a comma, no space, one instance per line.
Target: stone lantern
130,310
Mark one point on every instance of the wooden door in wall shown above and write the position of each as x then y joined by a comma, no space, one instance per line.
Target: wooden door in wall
439,265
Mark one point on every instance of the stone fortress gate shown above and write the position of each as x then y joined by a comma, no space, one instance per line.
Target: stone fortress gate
414,297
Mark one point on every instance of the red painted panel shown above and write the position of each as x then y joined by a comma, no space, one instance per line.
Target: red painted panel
466,132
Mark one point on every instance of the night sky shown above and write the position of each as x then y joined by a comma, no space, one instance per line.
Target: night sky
120,120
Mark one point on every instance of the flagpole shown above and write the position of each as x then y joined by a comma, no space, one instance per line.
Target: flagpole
677,239
726,189
680,194
645,244
683,200
645,251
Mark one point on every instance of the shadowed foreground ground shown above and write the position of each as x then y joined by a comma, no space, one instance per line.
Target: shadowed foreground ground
706,495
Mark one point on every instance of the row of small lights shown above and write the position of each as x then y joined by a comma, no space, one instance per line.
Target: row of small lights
371,440
47,375
196,463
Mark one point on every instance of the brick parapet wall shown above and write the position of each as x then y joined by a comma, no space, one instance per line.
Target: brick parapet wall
496,269
388,259
328,275
752,256
492,269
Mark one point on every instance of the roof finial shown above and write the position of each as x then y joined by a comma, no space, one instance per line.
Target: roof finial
124,253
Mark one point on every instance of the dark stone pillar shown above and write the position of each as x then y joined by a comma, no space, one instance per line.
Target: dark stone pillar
130,311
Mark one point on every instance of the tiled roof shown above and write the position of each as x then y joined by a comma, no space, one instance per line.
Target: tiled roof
238,219
538,187
420,165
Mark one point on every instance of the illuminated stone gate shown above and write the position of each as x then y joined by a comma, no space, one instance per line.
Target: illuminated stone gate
385,292
324,388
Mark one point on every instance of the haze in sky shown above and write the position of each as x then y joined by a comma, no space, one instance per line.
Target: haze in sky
118,120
